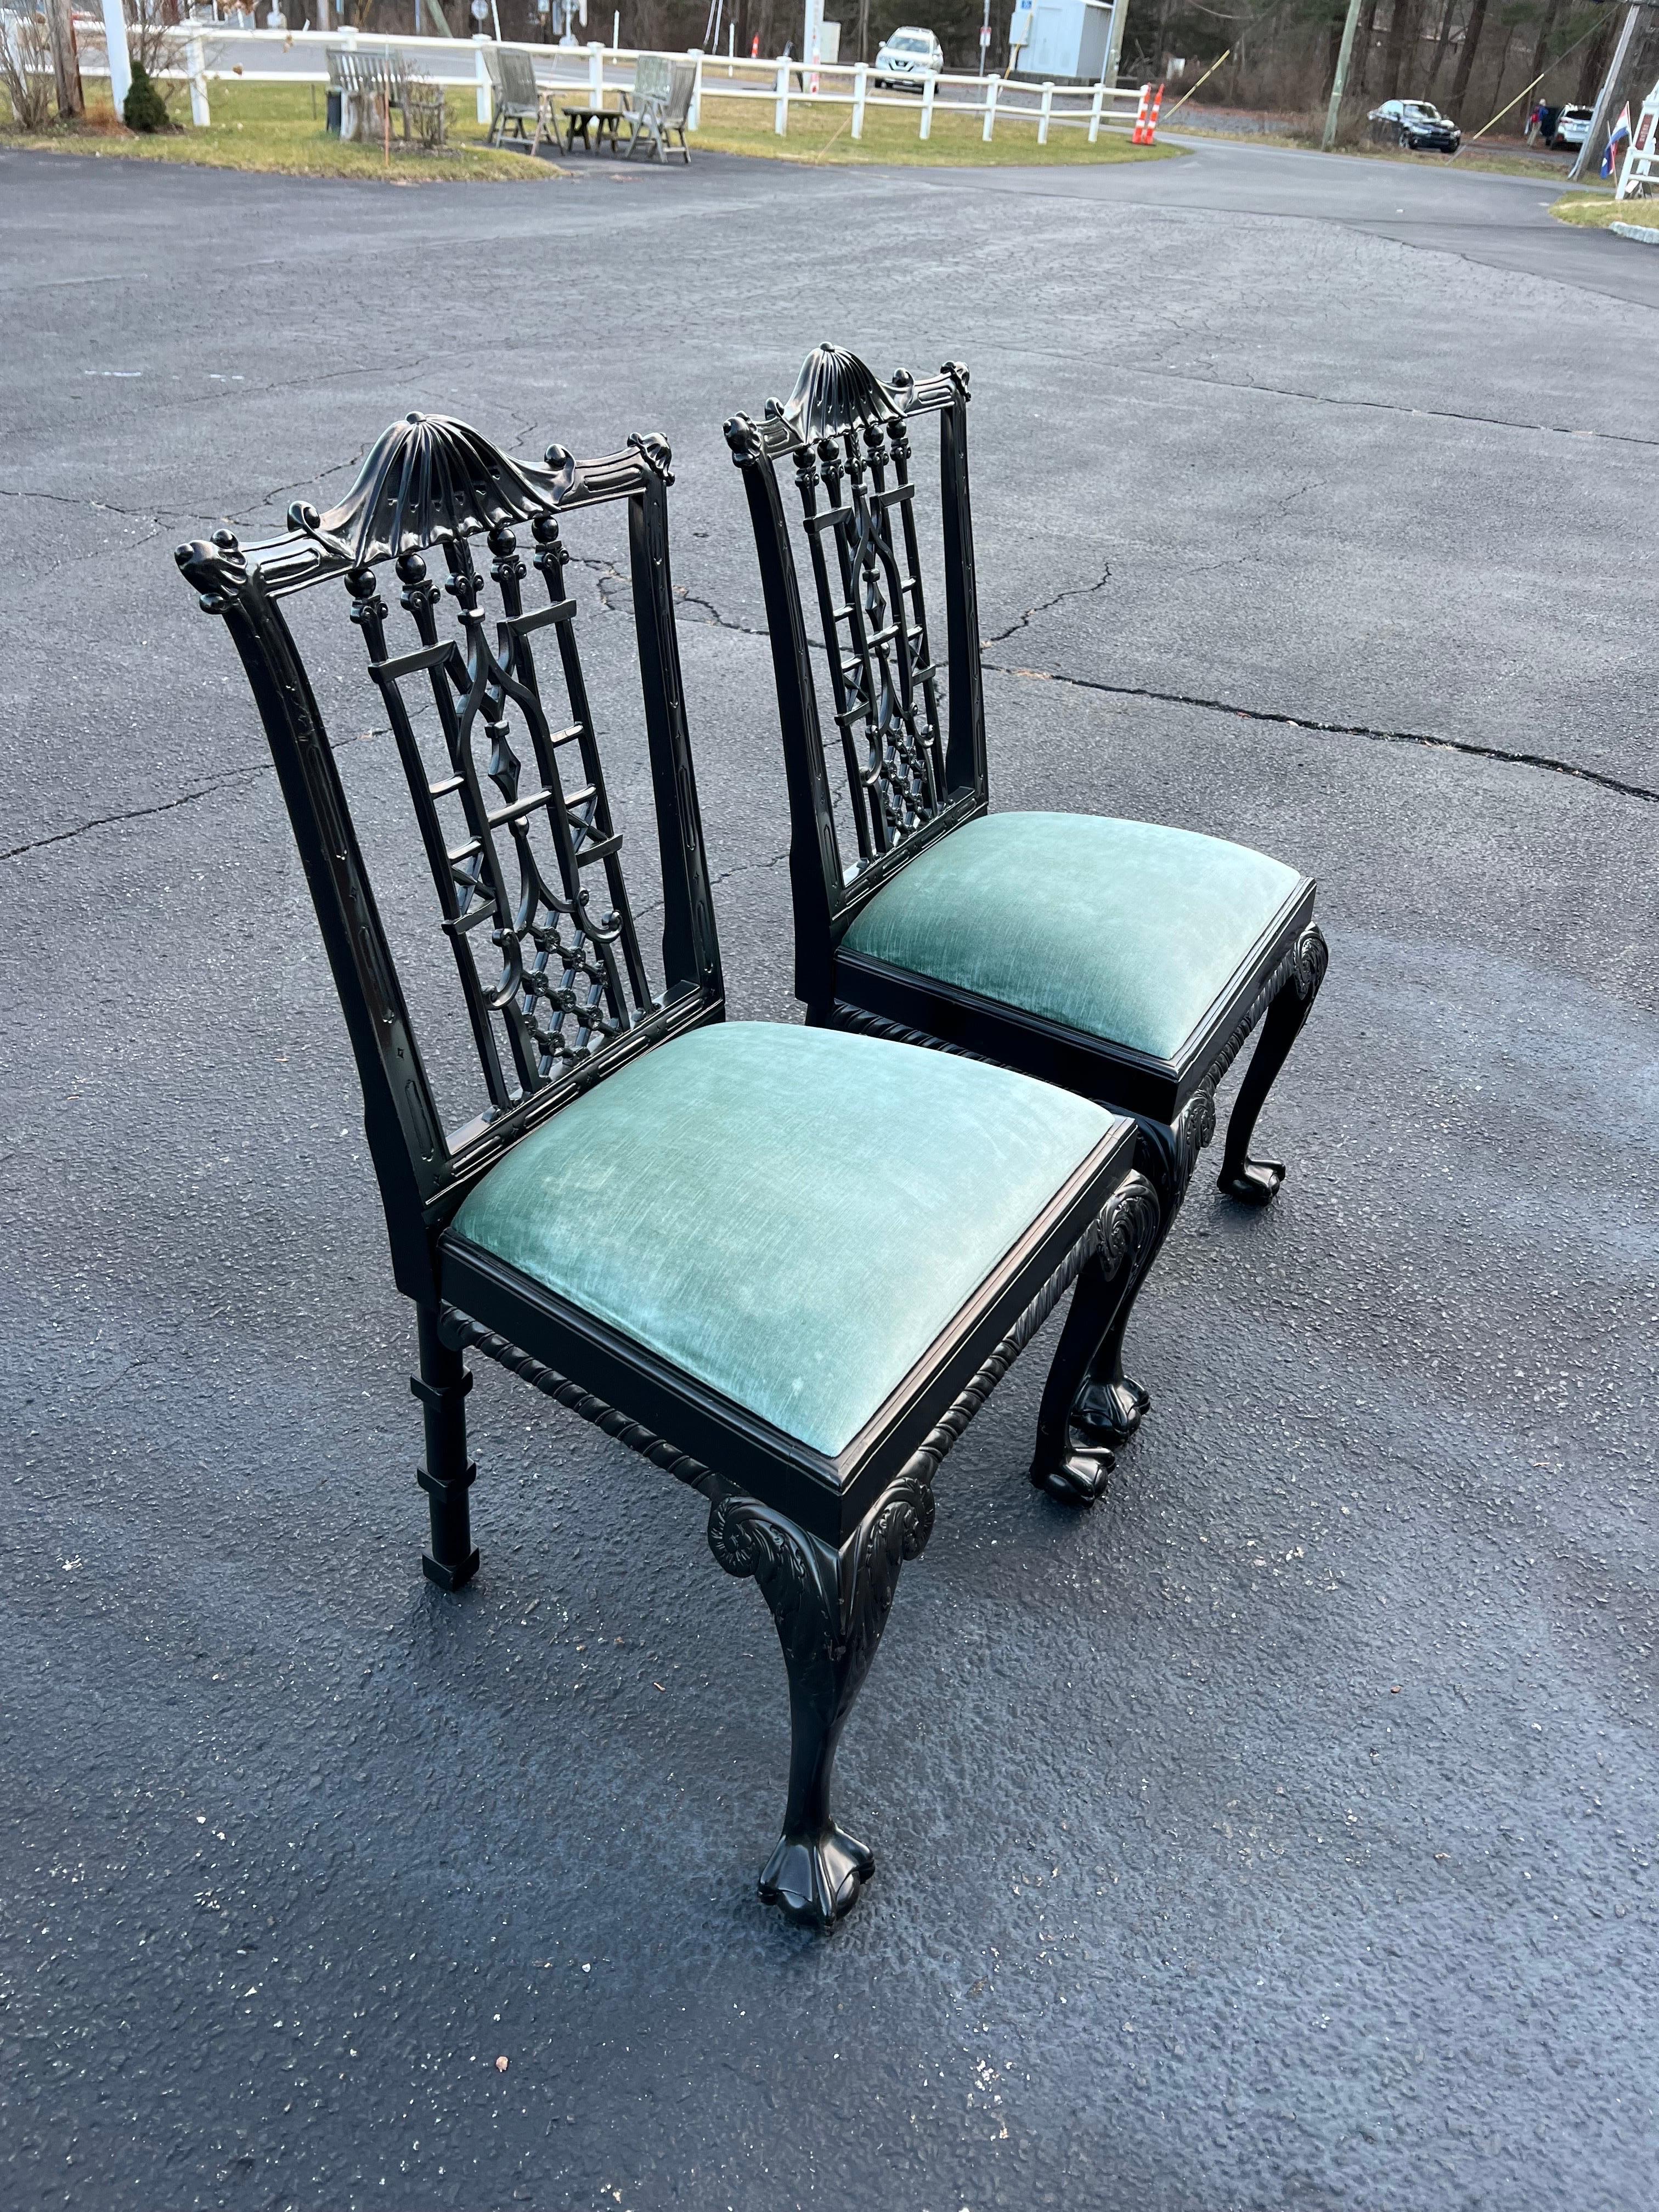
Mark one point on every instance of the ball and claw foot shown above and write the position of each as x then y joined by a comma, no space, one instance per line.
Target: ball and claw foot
1252,1182
816,1879
1111,1409
1078,1477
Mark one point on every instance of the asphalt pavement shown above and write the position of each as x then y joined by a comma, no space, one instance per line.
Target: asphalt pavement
1278,1835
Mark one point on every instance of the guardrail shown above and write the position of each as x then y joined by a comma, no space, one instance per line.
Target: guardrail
204,52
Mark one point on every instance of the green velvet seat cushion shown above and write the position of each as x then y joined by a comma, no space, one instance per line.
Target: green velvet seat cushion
791,1216
1125,930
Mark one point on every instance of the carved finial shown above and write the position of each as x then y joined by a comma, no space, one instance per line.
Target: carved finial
654,449
743,436
216,568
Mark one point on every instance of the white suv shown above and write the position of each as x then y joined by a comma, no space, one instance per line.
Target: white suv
907,56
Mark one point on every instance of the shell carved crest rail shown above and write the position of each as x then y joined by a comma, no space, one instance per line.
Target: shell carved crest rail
847,434
509,797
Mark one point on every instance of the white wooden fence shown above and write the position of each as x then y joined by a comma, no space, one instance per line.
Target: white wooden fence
207,53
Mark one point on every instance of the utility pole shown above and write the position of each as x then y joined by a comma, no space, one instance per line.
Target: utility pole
1339,81
1591,147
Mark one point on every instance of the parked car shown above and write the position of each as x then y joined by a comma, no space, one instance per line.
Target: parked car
907,56
1569,127
1415,125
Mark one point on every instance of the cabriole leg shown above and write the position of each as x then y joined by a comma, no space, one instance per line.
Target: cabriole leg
441,1387
1088,1406
1256,1182
830,1607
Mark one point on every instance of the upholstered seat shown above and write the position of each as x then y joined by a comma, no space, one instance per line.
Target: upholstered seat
790,1216
1125,930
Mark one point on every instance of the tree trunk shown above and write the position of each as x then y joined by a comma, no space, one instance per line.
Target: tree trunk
1444,40
1597,54
1545,30
1472,31
65,67
1502,63
1361,46
1401,24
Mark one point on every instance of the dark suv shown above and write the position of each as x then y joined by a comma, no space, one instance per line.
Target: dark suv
1416,125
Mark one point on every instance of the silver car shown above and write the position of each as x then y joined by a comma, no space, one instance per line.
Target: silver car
909,55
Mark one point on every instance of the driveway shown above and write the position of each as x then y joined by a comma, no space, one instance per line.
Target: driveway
1281,1835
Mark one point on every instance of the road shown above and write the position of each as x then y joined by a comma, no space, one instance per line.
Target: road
1278,1835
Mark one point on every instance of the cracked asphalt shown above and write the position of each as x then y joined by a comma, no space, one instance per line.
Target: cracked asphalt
1278,1835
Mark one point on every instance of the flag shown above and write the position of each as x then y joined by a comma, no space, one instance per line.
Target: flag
1620,136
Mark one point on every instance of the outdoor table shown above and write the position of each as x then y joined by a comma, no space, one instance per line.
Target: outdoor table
603,121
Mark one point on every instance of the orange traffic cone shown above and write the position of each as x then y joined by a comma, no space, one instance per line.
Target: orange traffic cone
1146,130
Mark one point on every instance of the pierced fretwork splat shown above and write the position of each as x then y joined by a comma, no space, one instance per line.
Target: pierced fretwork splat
517,827
868,575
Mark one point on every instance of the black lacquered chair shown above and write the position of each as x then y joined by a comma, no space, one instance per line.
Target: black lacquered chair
785,1264
1126,961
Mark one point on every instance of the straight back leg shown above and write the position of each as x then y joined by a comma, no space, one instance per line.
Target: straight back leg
441,1387
1256,1182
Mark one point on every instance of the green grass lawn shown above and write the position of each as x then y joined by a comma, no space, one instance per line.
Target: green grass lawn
280,128
890,136
1594,210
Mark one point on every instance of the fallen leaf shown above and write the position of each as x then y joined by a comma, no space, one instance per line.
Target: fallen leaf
501,2065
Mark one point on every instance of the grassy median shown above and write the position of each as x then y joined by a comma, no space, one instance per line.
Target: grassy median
279,128
892,136
1596,210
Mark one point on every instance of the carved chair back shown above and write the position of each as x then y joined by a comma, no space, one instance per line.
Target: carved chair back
905,760
502,757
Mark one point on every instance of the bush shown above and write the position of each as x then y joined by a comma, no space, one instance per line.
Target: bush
143,108
26,70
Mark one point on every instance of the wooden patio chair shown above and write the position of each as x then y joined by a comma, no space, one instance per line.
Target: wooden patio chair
1125,960
785,1264
516,98
658,107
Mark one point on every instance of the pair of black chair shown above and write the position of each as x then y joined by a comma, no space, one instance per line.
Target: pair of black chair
787,1264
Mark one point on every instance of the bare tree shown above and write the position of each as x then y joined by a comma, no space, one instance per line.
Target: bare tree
1472,31
26,69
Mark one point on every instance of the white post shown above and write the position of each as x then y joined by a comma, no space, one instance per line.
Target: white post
481,74
780,104
616,29
991,84
1043,118
1094,114
595,75
694,113
731,46
120,60
860,78
197,69
322,14
929,82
